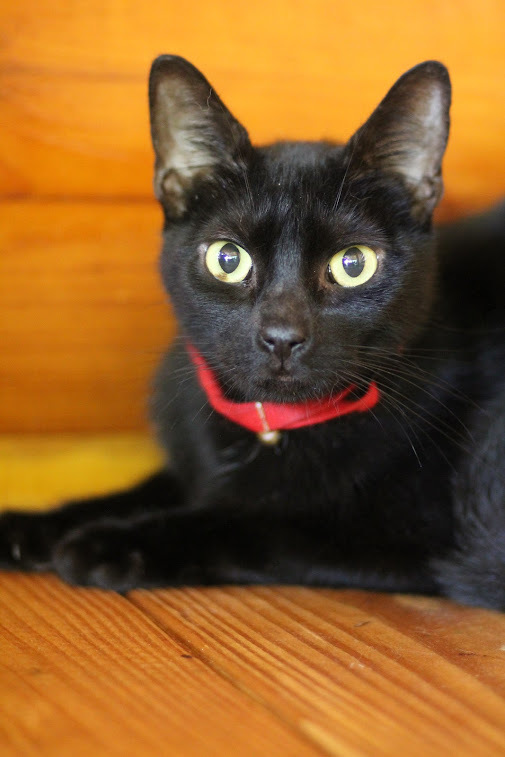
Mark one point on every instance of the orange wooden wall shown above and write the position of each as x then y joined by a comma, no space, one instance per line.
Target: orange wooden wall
82,317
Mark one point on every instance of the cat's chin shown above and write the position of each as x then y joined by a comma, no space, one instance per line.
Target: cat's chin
285,389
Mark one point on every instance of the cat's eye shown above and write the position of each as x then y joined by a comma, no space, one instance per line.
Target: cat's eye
228,262
352,266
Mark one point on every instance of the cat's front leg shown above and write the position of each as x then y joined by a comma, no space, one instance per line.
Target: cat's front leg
204,547
104,554
161,549
28,540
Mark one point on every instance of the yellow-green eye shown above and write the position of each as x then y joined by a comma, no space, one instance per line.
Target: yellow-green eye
228,262
352,266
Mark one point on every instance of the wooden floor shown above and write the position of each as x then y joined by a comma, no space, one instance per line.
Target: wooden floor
285,672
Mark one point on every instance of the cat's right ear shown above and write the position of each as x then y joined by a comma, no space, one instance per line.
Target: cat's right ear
193,133
407,134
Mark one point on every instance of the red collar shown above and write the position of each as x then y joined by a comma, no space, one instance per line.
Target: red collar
266,418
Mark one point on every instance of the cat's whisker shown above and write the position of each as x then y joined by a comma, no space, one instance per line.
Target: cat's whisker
428,417
431,419
339,193
426,414
363,384
404,409
413,370
404,431
412,423
422,388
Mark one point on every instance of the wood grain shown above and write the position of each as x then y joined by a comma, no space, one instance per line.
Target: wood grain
245,672
85,672
73,80
83,319
337,670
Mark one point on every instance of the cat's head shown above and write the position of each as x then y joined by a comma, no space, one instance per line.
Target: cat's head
297,268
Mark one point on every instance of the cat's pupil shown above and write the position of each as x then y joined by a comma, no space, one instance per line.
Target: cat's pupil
353,262
229,257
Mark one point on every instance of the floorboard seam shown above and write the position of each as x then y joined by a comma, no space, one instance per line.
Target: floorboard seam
230,679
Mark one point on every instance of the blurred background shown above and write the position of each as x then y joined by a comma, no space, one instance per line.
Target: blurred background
82,316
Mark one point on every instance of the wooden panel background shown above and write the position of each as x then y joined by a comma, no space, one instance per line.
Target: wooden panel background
82,316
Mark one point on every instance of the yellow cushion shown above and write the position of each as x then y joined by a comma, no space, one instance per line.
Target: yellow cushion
37,471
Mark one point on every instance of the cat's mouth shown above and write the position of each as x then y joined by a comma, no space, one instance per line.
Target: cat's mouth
284,387
288,382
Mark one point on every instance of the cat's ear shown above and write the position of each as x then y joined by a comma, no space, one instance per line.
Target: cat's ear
193,133
407,134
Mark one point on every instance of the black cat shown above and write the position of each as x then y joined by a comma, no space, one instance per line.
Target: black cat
334,407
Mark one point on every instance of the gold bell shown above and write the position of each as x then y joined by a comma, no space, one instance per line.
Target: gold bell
267,436
270,438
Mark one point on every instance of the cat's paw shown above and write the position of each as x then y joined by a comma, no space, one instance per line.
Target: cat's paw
26,541
102,556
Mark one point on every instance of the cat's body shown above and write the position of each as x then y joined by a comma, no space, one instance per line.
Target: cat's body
405,492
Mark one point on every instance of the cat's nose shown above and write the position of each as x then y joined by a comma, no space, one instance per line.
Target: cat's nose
282,341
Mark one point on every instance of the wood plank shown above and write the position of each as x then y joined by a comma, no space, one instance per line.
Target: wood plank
469,637
83,319
84,672
73,106
244,671
352,682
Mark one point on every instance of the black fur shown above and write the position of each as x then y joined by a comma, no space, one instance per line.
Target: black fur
409,496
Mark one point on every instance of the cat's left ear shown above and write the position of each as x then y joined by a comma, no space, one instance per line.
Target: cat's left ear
193,132
407,134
